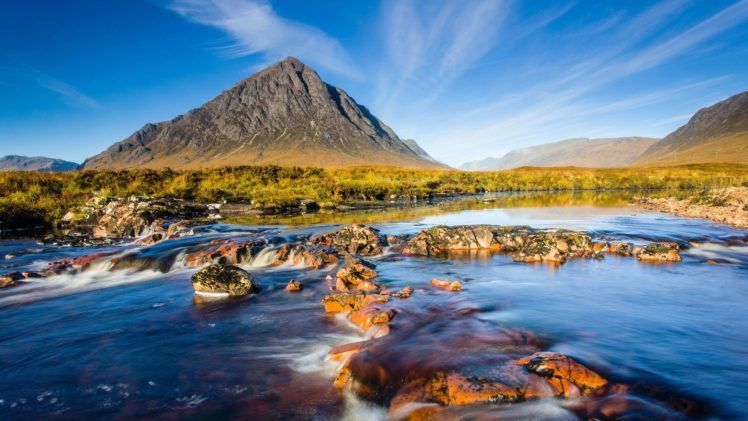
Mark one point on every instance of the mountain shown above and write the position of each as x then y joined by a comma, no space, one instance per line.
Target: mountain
718,133
283,115
410,143
35,163
581,152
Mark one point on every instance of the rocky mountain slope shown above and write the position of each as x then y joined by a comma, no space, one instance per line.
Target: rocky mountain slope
581,152
284,115
718,133
35,163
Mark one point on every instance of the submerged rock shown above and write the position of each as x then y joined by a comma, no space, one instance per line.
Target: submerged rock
220,279
355,239
453,286
659,252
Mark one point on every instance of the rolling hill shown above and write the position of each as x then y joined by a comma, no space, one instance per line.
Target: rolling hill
35,163
579,152
718,133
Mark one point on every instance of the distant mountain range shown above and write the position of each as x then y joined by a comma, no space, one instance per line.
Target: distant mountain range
580,152
718,133
35,163
283,115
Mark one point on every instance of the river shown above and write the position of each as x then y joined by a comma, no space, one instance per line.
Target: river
136,343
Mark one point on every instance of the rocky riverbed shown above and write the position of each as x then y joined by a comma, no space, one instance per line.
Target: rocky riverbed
726,206
555,319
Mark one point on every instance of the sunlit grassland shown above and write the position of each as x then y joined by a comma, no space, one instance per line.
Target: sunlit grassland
28,198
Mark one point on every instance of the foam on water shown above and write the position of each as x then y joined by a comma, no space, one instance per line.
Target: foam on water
36,289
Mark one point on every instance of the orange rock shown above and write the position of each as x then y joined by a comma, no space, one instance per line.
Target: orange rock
447,285
347,302
340,285
371,315
567,377
463,390
294,286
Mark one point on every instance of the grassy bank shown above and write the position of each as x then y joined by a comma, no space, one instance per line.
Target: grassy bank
28,198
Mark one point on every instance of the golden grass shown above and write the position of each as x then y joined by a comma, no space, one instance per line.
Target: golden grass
30,197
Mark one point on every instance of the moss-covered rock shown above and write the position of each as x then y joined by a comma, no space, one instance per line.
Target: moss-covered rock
219,279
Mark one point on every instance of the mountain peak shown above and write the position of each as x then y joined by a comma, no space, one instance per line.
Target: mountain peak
282,115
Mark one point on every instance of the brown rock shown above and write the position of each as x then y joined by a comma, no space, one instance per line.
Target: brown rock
348,302
354,239
659,252
370,315
10,279
453,286
356,274
403,293
567,377
294,286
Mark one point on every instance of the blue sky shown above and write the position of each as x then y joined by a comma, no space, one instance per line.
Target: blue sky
465,78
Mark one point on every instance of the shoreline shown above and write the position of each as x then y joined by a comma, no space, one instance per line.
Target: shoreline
728,206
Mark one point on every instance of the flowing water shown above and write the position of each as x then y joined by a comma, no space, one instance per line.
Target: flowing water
136,342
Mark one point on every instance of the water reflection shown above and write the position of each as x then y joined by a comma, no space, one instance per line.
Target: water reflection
417,210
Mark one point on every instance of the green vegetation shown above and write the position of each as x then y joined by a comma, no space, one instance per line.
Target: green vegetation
710,197
29,198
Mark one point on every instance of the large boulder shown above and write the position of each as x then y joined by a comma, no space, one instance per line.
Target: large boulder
354,239
220,279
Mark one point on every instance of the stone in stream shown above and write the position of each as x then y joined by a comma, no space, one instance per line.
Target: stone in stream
300,255
355,239
225,252
346,302
220,279
453,286
526,244
614,247
567,377
659,252
294,286
10,279
356,274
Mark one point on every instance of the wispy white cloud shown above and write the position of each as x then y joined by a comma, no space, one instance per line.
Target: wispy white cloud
522,117
66,92
430,44
675,119
255,28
